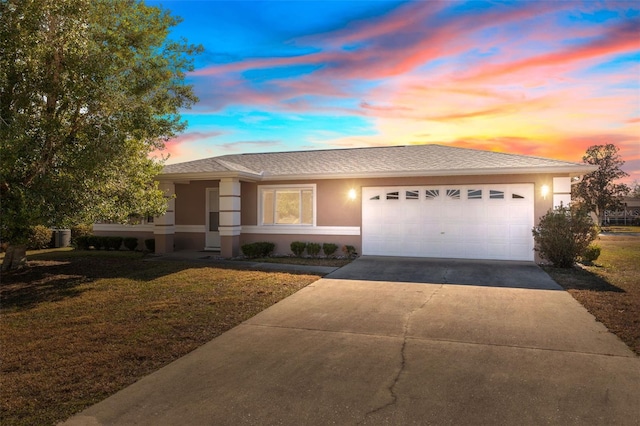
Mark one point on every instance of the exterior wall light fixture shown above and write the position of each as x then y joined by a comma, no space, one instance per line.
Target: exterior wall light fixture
544,190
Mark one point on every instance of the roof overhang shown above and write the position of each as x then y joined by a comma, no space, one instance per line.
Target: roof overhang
571,170
194,176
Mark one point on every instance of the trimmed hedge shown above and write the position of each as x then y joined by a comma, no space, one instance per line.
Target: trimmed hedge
150,244
259,249
113,243
313,249
329,249
100,242
131,243
82,242
97,242
297,247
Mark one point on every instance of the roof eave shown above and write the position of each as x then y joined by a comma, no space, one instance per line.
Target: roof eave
188,177
571,170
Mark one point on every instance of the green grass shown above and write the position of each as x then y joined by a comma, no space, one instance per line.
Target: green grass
78,326
610,289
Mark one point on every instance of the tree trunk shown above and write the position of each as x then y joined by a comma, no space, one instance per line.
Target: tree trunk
15,258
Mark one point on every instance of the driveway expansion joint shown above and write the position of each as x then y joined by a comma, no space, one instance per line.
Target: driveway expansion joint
529,348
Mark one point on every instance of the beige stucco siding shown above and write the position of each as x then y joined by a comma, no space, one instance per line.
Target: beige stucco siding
190,202
248,203
334,208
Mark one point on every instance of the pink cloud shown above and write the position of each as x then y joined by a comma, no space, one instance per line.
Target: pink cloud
176,146
620,39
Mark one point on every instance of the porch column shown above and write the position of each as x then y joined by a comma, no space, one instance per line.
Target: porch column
165,226
229,226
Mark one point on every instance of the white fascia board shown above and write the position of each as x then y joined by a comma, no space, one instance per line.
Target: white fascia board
574,170
188,177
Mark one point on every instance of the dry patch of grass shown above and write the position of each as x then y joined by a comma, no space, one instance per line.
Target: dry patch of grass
78,326
619,229
610,289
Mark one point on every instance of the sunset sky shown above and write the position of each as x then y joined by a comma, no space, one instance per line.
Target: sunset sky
543,78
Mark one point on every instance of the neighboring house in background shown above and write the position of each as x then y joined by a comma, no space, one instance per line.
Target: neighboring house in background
629,215
416,200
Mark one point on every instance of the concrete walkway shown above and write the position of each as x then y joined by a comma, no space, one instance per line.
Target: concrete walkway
347,351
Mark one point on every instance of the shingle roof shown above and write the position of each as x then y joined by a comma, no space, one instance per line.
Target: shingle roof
408,160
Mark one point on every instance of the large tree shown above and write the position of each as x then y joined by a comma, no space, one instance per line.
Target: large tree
88,89
598,190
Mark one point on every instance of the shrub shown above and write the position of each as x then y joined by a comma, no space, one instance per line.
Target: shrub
130,243
297,247
563,235
97,242
259,249
113,243
82,242
81,230
329,248
349,251
39,237
590,254
150,244
313,249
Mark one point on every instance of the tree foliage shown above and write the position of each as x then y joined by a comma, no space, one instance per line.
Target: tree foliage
563,235
598,191
634,189
88,89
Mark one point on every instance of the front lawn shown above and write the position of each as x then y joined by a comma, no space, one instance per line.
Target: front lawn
78,326
610,289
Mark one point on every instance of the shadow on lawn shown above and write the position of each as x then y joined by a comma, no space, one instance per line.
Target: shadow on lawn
578,278
54,278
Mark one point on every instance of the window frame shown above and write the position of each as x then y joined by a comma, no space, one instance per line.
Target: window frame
292,187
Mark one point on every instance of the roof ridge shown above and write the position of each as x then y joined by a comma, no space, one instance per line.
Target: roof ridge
235,167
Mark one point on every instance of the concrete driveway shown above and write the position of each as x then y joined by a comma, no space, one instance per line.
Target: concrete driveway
356,348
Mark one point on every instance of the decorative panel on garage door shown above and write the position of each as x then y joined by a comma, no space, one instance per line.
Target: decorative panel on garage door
452,221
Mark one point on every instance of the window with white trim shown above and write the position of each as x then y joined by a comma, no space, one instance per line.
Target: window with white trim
287,205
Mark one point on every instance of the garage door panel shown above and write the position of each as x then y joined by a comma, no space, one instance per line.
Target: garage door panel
498,231
499,250
452,210
475,232
517,232
453,249
471,249
447,221
520,251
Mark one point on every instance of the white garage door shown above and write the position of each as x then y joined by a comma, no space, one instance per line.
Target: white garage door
451,221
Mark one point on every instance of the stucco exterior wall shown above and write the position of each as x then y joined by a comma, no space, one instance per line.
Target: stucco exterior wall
189,241
190,202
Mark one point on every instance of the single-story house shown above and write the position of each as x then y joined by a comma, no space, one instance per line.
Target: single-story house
628,215
415,200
